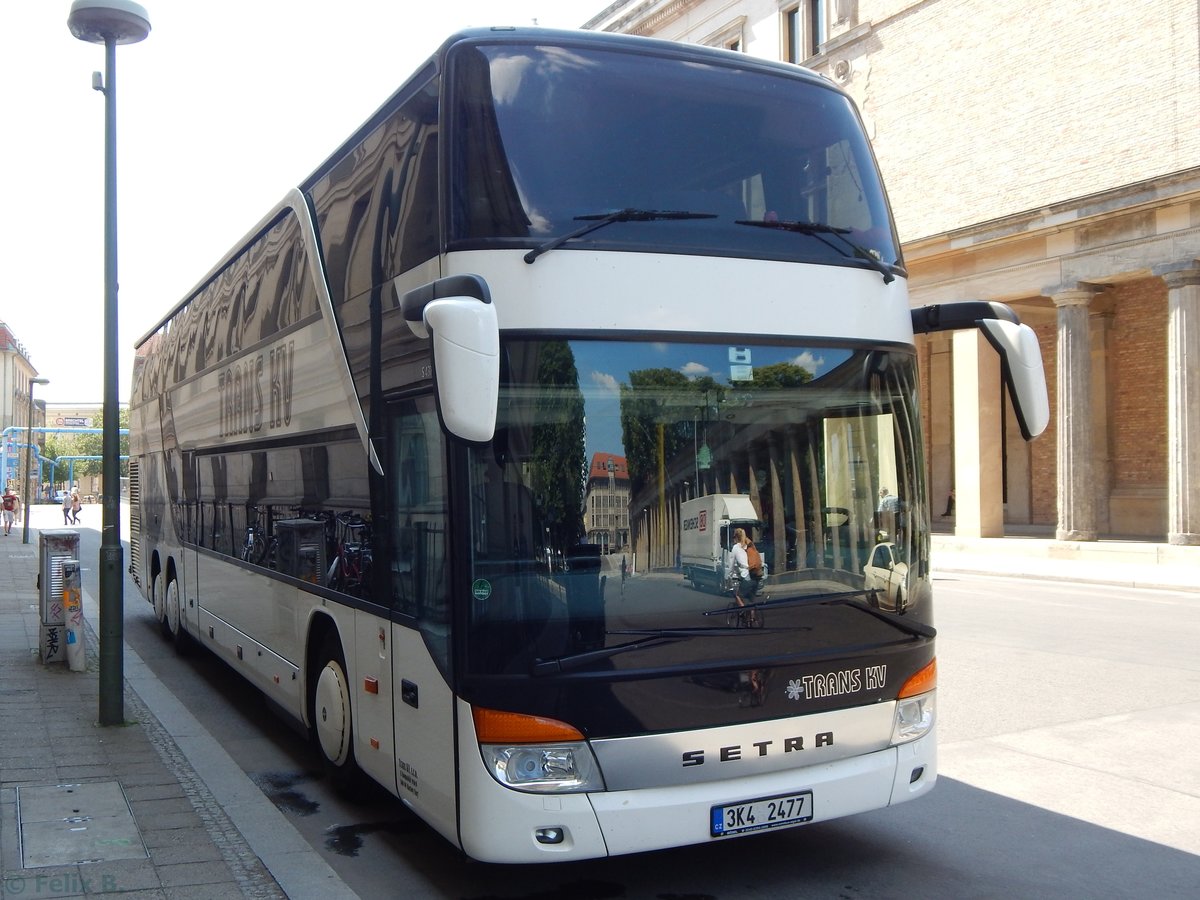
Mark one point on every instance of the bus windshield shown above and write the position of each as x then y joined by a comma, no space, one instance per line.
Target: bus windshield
604,511
549,141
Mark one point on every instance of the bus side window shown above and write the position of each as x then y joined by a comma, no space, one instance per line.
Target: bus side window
418,517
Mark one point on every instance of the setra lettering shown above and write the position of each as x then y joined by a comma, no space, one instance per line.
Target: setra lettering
733,752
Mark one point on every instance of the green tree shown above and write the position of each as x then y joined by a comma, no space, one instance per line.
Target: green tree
59,445
558,466
659,410
780,375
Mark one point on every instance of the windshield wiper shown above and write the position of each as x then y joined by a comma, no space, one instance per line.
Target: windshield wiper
818,230
599,220
580,660
651,637
842,598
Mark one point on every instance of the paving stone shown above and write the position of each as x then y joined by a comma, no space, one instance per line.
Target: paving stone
200,851
215,872
153,792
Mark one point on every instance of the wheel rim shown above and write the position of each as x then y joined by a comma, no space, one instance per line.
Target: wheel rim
333,713
171,607
156,597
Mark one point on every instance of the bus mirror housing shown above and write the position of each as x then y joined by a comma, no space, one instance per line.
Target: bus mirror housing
1020,355
457,313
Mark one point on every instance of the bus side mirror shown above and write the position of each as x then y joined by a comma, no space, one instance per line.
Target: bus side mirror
458,315
1021,367
1020,355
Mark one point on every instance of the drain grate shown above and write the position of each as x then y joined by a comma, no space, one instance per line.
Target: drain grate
68,824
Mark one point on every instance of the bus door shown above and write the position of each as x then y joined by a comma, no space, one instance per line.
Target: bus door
189,593
373,726
415,469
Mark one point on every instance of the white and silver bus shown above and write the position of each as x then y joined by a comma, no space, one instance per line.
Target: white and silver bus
360,451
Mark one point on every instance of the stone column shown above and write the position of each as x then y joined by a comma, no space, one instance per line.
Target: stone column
978,462
1100,323
1183,406
1076,491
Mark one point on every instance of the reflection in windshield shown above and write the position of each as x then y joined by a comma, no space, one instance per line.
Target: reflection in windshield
606,504
635,133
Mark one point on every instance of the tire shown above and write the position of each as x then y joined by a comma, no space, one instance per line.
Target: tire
332,716
172,621
157,601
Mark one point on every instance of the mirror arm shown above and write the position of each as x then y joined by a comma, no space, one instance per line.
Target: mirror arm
413,303
960,315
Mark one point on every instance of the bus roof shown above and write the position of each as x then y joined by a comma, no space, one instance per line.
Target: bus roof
435,63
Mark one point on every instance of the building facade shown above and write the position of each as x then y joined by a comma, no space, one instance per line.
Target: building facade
1049,159
17,414
606,503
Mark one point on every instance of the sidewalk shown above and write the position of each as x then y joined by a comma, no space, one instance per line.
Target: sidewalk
1118,562
156,809
152,809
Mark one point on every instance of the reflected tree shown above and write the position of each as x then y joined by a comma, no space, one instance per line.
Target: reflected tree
558,467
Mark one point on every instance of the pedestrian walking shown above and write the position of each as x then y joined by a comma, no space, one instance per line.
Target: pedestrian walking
76,506
12,507
66,507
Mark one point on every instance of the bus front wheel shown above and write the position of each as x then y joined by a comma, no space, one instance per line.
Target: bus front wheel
332,716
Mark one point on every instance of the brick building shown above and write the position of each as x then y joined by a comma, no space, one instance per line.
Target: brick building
1048,158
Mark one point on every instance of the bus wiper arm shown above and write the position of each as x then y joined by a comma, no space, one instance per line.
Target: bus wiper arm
580,660
651,637
703,630
599,220
817,230
806,600
843,598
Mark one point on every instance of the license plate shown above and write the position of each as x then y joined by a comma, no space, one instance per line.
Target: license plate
766,812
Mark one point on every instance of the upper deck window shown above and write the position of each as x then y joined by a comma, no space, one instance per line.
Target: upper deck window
546,139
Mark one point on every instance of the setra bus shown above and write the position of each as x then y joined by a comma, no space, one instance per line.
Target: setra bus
360,451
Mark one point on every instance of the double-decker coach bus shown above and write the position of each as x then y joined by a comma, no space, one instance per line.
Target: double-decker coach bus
360,451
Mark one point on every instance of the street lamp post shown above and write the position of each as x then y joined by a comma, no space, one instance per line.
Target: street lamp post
28,462
110,22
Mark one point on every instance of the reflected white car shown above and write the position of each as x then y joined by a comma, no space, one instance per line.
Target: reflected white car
887,574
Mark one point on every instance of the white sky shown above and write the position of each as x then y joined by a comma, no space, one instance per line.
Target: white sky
223,108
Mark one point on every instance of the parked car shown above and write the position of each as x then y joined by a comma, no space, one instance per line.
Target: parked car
60,496
887,574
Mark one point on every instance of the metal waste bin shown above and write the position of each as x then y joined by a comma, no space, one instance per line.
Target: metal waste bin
301,551
54,549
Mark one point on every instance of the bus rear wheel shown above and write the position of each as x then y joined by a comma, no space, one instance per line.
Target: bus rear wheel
332,719
172,614
157,585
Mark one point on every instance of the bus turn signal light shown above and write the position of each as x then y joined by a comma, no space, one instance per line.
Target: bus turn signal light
922,682
493,726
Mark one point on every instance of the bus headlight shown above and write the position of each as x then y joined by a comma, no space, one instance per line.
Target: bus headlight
915,706
914,718
533,753
559,769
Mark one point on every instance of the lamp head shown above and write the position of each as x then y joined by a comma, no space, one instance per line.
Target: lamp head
39,380
98,21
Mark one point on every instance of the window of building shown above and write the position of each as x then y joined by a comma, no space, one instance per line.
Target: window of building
729,37
804,29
